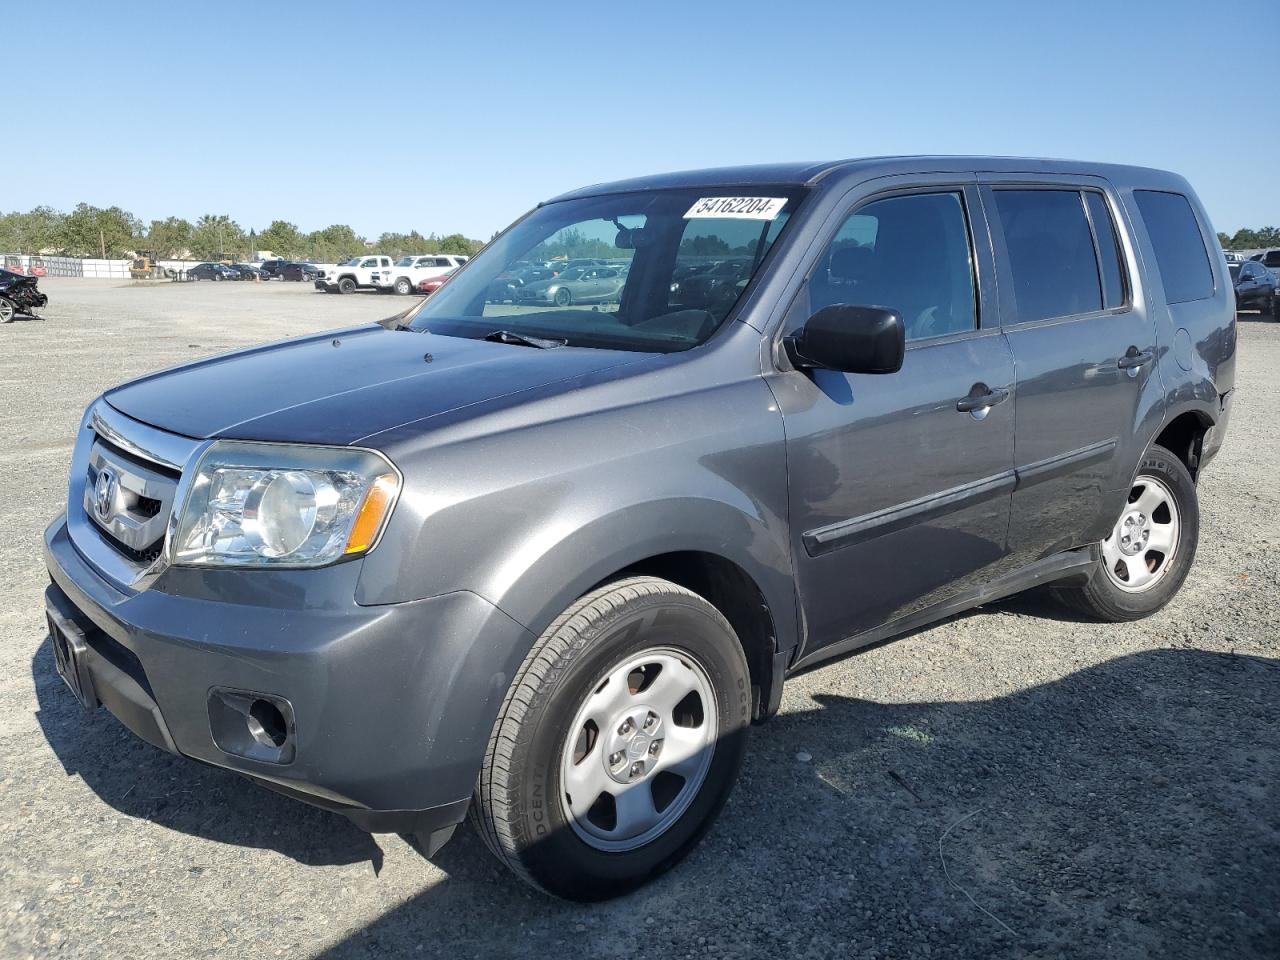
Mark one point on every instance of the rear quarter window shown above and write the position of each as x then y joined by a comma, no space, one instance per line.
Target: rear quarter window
1178,245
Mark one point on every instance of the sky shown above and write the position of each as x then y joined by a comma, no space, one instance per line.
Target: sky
458,117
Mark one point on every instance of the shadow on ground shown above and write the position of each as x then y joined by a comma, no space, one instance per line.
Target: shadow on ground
1128,810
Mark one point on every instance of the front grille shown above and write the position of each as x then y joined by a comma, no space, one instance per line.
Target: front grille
130,509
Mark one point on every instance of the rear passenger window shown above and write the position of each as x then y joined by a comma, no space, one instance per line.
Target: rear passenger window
1055,271
910,254
1108,251
1180,251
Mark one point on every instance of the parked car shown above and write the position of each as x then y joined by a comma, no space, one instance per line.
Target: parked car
504,287
719,281
212,271
408,272
299,271
574,285
19,294
273,268
432,284
1254,285
1269,259
548,565
248,271
359,273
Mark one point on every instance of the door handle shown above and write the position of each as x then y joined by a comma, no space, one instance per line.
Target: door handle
981,401
1133,359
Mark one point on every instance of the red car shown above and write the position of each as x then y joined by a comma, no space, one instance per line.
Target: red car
432,284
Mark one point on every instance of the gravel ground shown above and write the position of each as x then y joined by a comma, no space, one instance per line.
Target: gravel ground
1012,782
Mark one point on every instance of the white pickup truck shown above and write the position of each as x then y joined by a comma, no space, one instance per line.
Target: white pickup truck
408,272
372,272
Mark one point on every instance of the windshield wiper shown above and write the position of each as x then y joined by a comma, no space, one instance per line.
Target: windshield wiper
522,339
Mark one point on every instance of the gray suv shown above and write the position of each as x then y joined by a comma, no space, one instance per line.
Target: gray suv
547,563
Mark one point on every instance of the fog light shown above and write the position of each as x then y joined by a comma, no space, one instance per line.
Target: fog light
258,726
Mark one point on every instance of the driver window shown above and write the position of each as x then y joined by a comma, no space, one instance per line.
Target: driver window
909,254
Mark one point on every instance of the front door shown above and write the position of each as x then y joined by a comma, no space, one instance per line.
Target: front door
900,483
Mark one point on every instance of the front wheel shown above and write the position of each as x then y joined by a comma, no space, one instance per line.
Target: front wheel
7,311
404,287
1143,562
618,742
346,285
563,297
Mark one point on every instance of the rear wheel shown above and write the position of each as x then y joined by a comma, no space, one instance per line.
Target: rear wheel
346,285
618,743
1145,559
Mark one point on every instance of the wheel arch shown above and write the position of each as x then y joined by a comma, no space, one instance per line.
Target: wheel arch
731,590
731,557
1183,436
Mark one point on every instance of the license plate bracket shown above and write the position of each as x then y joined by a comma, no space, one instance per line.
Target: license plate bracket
70,656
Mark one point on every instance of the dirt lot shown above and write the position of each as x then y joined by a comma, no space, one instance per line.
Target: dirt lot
1012,782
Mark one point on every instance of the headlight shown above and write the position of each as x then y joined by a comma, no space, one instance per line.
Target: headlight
281,505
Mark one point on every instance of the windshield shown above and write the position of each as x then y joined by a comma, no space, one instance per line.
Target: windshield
655,271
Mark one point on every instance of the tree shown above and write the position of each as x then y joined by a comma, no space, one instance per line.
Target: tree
457,243
282,238
335,243
170,238
90,231
217,236
38,231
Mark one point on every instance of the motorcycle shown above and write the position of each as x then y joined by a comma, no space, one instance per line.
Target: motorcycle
19,294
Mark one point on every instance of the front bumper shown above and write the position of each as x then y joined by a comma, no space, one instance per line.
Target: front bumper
392,705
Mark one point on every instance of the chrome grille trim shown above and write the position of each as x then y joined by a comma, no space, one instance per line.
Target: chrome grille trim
168,450
149,464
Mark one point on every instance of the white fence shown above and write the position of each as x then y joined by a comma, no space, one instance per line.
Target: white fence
93,268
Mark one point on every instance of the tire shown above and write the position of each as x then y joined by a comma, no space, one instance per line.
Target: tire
563,297
586,664
1119,588
404,287
346,285
7,310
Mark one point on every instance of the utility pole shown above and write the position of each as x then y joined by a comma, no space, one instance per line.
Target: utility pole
102,241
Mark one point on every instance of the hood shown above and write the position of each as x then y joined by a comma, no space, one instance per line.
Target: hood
343,385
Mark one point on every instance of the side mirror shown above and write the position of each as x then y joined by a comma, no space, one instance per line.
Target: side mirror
850,339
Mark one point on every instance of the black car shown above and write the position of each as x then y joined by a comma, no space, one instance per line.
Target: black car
212,271
299,271
18,294
1255,286
248,271
272,268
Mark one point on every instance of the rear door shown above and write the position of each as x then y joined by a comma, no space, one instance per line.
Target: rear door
1084,347
899,492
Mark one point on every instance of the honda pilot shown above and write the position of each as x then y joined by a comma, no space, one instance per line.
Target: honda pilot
545,564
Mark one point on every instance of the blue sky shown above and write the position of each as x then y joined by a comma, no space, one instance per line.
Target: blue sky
459,116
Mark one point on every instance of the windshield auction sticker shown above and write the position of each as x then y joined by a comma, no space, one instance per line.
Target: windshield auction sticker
736,208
